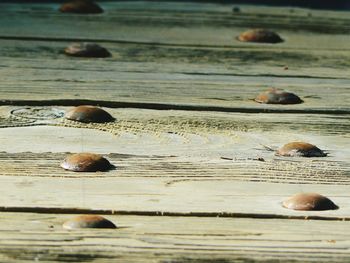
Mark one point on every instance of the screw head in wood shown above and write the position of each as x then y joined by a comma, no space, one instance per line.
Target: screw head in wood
88,50
260,36
309,202
88,221
81,7
236,9
87,114
300,149
278,96
86,162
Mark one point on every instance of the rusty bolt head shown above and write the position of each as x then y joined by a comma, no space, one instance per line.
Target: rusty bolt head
88,114
277,96
88,221
81,7
260,36
309,202
301,149
236,9
88,50
86,162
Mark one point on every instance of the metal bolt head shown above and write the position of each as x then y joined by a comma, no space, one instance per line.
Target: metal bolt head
88,114
86,162
236,9
81,7
260,36
88,221
88,50
309,202
300,149
277,96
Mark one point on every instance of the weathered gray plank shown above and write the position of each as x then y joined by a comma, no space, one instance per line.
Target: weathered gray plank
171,161
189,133
251,60
192,68
228,91
176,23
170,185
29,237
189,164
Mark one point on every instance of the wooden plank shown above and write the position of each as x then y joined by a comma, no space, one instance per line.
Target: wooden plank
189,133
166,23
199,165
251,60
27,237
153,186
178,169
194,72
174,166
225,92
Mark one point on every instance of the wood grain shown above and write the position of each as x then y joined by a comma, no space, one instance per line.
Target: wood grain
191,69
188,143
172,239
159,183
176,23
179,133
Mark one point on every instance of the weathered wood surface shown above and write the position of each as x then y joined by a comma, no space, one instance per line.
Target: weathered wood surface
157,170
40,237
167,90
228,74
193,166
176,23
180,133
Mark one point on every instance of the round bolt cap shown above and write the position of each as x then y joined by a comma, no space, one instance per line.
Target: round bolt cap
88,221
300,149
81,7
236,9
260,36
88,114
88,50
309,202
86,162
277,96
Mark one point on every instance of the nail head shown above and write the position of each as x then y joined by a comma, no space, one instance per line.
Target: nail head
88,50
85,162
81,7
88,221
277,96
309,202
301,149
88,114
260,36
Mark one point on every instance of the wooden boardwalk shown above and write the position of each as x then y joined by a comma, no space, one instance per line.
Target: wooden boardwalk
194,180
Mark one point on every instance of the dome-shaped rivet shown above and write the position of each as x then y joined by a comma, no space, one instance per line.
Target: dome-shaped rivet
309,202
277,96
260,36
88,221
88,50
86,162
301,149
88,114
81,7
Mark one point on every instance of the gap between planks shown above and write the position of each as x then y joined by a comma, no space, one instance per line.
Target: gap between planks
55,210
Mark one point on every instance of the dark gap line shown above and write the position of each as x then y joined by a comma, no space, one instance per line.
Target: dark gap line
314,4
54,210
60,39
161,106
